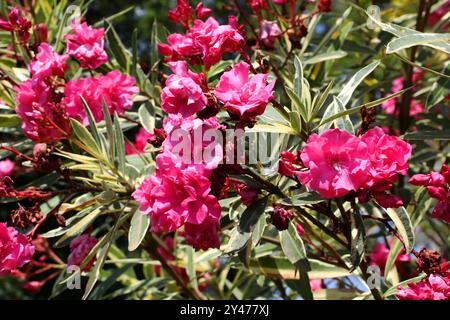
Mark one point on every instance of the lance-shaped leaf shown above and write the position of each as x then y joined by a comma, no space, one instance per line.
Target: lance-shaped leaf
138,229
243,232
358,240
301,199
416,40
401,219
333,55
293,248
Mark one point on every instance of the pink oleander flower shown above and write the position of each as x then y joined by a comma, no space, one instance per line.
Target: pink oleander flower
43,120
388,156
380,254
206,41
48,63
171,200
442,211
438,187
387,200
182,14
182,93
190,143
17,24
288,164
269,31
15,249
241,96
116,88
201,11
80,248
6,168
141,142
203,236
86,44
434,287
337,163
91,91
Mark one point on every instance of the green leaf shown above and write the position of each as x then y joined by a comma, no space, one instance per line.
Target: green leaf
326,56
347,91
117,47
79,227
427,135
358,240
10,121
412,40
85,137
138,229
283,268
293,248
301,199
393,290
400,31
120,144
297,104
243,232
147,117
191,272
344,121
296,122
402,221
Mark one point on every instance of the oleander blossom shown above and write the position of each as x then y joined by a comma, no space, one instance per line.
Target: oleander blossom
183,93
80,248
438,186
269,31
434,287
179,194
116,88
175,199
388,155
244,97
205,42
15,249
86,44
190,142
336,162
43,119
48,63
6,168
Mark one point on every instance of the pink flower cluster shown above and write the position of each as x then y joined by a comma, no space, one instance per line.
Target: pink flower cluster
86,44
434,287
179,193
183,92
18,24
115,88
243,97
205,42
43,117
15,249
80,247
438,186
398,84
338,163
48,63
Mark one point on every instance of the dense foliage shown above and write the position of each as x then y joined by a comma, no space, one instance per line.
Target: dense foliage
259,149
